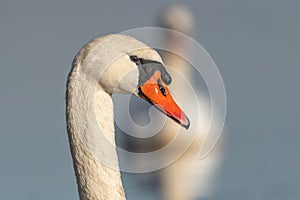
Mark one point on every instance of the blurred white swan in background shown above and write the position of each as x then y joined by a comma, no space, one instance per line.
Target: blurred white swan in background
188,177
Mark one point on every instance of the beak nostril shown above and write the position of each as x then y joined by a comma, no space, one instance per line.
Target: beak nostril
161,87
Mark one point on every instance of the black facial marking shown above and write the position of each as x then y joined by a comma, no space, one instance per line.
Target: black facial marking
148,67
161,87
135,59
145,61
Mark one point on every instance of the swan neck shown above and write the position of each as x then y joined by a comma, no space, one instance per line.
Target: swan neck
92,140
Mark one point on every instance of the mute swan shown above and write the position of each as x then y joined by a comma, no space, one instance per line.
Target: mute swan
188,177
106,65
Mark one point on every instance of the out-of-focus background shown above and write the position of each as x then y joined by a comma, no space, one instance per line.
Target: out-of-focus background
255,44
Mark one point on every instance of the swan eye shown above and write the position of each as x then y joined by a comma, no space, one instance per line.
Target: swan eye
135,59
161,87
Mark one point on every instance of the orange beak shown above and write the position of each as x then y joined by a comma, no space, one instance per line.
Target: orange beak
156,92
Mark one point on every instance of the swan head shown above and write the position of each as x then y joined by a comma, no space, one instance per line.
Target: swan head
127,65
